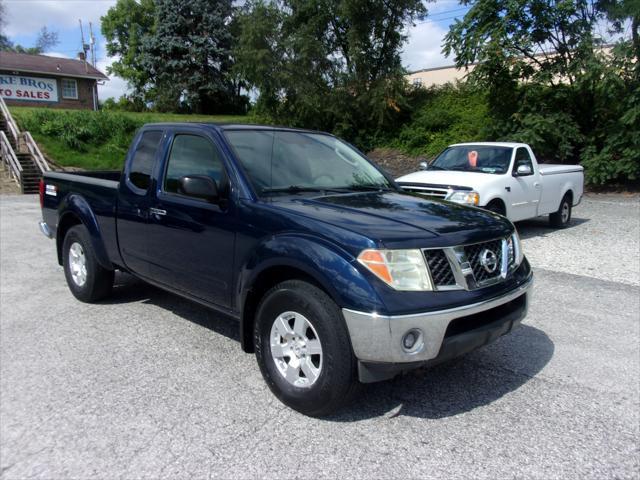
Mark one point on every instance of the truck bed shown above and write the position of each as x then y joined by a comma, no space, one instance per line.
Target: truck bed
97,188
555,169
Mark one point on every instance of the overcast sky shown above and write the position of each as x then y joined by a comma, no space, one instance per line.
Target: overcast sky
26,17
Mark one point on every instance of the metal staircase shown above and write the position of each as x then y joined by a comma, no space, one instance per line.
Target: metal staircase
20,153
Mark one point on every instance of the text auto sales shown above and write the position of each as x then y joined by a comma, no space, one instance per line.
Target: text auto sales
28,88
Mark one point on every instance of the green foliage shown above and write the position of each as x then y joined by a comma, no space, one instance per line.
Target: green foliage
125,103
94,140
77,130
176,55
539,40
124,26
45,41
548,82
612,152
328,65
443,115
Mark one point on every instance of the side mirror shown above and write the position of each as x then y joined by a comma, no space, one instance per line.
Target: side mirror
423,165
523,171
199,186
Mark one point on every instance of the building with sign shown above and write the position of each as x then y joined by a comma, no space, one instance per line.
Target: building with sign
38,80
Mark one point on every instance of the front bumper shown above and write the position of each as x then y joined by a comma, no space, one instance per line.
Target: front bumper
378,338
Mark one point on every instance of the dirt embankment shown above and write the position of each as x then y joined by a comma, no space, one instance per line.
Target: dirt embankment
394,162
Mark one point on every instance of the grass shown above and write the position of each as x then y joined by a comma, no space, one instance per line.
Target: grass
96,140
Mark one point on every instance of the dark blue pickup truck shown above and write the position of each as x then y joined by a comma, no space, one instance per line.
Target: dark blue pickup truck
335,275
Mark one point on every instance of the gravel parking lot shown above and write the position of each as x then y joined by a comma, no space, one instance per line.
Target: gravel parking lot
150,385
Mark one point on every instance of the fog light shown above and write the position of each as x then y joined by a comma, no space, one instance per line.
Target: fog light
412,341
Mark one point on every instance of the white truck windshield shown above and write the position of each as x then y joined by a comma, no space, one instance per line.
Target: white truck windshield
474,158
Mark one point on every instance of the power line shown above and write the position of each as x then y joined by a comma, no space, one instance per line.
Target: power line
445,12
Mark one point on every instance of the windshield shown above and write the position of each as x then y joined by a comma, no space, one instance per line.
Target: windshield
292,162
474,158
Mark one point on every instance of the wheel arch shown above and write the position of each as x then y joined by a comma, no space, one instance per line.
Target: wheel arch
306,260
76,211
499,201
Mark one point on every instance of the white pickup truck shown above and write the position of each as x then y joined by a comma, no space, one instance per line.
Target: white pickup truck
502,177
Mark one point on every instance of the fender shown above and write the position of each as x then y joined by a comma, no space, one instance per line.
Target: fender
331,267
326,264
568,187
75,204
496,196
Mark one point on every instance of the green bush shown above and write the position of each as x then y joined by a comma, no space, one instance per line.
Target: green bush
77,129
442,116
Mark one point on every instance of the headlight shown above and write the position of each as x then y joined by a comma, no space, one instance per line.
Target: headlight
400,269
514,250
464,197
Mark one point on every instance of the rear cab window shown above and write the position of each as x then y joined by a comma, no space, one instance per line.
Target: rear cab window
141,167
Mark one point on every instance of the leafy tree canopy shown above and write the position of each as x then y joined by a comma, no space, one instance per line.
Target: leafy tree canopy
124,27
327,64
551,81
45,41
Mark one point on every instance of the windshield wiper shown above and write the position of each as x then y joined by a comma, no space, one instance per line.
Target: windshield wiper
296,189
369,188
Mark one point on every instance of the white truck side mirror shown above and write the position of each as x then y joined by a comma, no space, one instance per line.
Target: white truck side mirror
523,170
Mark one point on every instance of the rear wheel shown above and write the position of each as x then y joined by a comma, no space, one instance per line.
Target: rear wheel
562,217
86,278
303,349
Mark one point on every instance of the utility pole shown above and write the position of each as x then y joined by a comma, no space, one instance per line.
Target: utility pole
85,47
92,43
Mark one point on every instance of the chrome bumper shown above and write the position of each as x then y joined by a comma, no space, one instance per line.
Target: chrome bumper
46,231
378,338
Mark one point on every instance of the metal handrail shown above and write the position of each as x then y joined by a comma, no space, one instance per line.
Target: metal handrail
9,157
35,152
11,124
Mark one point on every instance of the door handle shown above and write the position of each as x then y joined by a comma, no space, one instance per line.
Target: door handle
158,212
536,184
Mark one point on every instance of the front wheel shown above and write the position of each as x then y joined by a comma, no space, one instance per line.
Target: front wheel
86,278
303,349
562,217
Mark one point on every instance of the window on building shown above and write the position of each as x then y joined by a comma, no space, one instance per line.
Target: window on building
69,88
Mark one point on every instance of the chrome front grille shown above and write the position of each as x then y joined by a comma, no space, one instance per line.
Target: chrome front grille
426,191
479,260
441,272
470,267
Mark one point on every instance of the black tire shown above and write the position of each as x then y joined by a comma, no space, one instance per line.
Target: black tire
337,383
98,280
496,206
562,218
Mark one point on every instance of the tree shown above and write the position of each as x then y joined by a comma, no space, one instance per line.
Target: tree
619,12
327,64
544,40
189,55
5,43
550,82
46,39
124,27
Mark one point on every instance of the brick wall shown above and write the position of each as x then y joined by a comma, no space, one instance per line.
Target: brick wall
85,95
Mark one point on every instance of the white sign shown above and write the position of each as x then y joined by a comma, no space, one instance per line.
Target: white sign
34,89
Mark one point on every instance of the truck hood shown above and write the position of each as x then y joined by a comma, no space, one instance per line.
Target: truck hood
400,220
450,178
